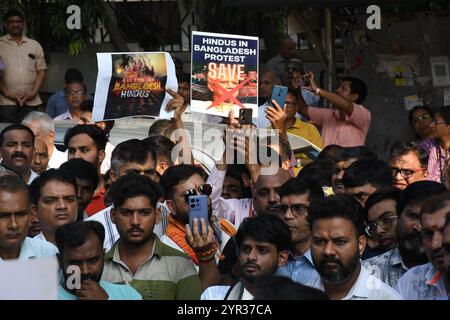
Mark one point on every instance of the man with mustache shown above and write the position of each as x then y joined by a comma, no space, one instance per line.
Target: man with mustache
296,196
391,265
427,281
338,241
263,244
343,159
54,202
80,249
16,148
15,215
139,258
446,246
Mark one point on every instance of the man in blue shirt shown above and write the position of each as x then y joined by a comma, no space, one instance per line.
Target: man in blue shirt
57,103
295,198
81,258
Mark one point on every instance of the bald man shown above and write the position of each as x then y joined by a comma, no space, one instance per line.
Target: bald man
268,80
286,54
40,157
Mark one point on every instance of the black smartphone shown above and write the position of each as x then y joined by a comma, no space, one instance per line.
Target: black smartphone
245,116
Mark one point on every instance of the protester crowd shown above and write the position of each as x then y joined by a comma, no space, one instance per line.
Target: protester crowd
347,225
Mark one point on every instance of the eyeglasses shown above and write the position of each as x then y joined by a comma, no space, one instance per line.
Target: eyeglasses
434,122
423,117
384,222
204,189
75,93
147,172
405,173
297,209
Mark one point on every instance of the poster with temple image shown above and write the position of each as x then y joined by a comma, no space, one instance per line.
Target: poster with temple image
133,84
224,73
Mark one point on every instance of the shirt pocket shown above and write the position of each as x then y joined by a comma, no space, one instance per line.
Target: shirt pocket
30,63
155,289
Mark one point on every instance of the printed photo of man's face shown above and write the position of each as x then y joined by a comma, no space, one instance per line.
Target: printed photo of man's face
226,76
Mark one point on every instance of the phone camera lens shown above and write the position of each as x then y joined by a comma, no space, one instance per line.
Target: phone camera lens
192,205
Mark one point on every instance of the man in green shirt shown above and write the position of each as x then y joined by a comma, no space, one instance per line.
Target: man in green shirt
139,258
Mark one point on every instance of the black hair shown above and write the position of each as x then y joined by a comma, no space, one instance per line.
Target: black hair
357,86
176,174
447,220
403,148
359,153
284,288
87,105
75,234
320,171
381,195
329,152
81,83
73,74
14,184
15,126
265,228
411,112
162,145
444,112
97,134
185,77
13,13
134,185
235,171
133,150
47,176
163,127
296,186
338,206
418,191
435,203
375,172
81,169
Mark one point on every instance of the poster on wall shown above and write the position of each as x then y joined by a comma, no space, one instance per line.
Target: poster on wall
133,84
224,73
401,69
440,71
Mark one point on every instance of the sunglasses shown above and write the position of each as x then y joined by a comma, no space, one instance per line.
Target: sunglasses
204,189
297,209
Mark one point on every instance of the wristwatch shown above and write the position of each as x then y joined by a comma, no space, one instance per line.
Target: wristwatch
317,91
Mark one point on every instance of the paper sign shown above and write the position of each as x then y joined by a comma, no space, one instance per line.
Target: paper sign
224,73
440,71
33,279
446,96
133,84
412,101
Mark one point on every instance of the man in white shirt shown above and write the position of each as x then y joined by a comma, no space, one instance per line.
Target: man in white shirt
15,216
43,127
75,94
338,241
427,281
16,148
263,245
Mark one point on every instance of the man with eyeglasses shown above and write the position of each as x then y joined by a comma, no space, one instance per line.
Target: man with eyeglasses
75,95
296,195
427,281
139,258
409,164
179,182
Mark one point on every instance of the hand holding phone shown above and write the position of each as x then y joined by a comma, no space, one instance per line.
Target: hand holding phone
279,94
198,209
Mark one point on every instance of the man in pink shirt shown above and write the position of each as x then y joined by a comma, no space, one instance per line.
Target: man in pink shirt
347,123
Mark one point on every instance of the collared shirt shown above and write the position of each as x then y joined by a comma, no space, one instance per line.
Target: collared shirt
114,292
368,287
57,159
422,283
166,275
219,293
388,267
22,61
97,204
57,104
41,237
33,176
64,116
300,269
351,131
436,159
36,248
306,131
106,164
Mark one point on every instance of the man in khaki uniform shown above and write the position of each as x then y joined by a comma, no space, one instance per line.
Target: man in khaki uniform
24,70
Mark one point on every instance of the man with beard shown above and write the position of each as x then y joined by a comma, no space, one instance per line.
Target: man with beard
343,159
446,246
427,281
16,148
139,258
81,260
263,244
296,196
337,230
391,265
